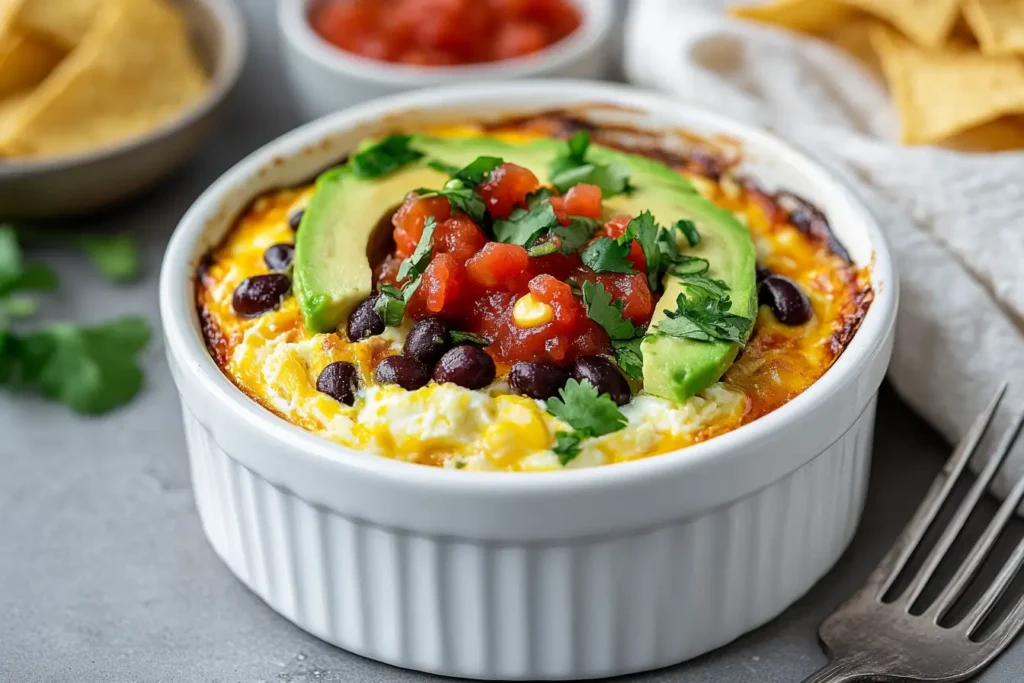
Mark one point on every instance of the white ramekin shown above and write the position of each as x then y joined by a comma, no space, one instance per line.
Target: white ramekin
560,575
325,79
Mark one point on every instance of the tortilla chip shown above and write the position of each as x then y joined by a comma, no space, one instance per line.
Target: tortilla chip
25,61
805,16
926,22
65,22
945,91
998,136
134,71
997,24
854,38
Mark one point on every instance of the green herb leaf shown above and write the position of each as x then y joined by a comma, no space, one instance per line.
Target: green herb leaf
606,313
116,257
685,266
524,225
464,199
10,258
442,167
567,446
545,248
580,406
576,234
535,198
384,157
390,304
689,230
572,168
629,357
702,314
91,369
415,264
37,277
647,233
468,338
478,170
606,255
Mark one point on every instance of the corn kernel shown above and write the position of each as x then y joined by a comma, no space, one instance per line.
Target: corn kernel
529,312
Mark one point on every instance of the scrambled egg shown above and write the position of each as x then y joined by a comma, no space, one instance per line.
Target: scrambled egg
276,361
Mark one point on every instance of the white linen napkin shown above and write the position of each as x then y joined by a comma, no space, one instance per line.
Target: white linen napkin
955,221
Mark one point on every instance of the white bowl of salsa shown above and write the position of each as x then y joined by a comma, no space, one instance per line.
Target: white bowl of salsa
324,78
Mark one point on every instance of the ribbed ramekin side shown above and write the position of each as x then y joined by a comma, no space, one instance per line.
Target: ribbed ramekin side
588,607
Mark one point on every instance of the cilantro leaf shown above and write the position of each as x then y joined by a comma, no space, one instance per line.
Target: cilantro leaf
391,301
91,369
567,446
384,157
606,255
478,170
715,288
689,230
702,314
573,168
646,232
443,167
581,407
629,357
10,258
576,234
116,257
606,313
415,264
535,198
523,225
685,266
545,247
461,198
37,277
468,338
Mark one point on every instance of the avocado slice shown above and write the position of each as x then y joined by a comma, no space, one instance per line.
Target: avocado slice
333,274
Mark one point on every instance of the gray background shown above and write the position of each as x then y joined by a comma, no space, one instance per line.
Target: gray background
104,571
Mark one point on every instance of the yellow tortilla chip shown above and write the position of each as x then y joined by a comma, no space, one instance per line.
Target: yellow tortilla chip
806,16
854,38
997,24
945,91
997,136
926,22
65,22
134,71
25,61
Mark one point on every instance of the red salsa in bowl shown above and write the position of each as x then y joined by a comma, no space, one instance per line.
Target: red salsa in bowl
443,32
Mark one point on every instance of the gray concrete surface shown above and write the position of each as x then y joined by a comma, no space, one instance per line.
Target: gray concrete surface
104,571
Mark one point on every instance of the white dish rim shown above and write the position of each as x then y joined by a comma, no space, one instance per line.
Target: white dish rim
178,310
596,22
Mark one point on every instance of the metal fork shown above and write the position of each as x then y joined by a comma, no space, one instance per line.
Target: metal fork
872,640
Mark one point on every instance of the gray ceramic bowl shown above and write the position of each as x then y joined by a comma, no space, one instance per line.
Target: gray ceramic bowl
62,186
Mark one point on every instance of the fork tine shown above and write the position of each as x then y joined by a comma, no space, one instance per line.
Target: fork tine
980,550
978,613
894,562
956,524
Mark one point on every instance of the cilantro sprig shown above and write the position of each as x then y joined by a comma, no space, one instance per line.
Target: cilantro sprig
703,313
572,168
384,157
459,337
417,263
589,413
460,197
629,357
523,226
607,255
116,256
606,313
391,301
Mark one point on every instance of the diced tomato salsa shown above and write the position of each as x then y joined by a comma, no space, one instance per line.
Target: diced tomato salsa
474,283
444,32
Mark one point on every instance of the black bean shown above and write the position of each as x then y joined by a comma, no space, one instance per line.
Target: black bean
537,380
259,294
427,341
365,321
761,272
340,381
279,257
468,366
408,373
605,377
295,220
787,301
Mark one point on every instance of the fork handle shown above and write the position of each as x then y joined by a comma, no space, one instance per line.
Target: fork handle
841,671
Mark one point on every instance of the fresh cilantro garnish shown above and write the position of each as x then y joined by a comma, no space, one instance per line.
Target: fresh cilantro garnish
461,198
586,411
605,312
524,225
442,167
460,464
606,255
567,446
384,157
689,230
684,266
646,232
543,248
478,170
116,257
629,357
535,198
468,338
15,274
702,313
415,264
90,369
391,301
572,168
576,234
